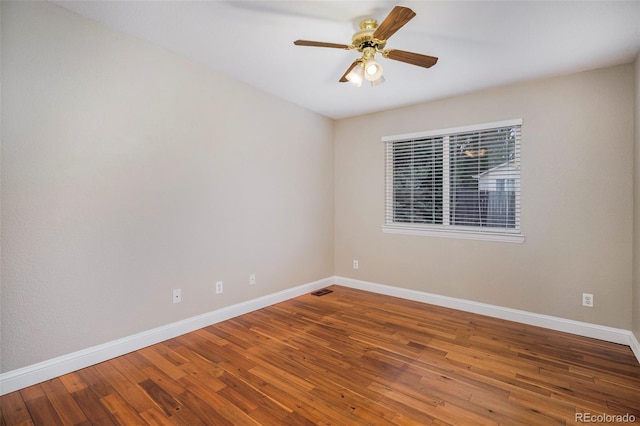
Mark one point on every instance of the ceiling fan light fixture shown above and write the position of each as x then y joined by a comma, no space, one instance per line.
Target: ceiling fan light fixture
372,70
378,82
356,75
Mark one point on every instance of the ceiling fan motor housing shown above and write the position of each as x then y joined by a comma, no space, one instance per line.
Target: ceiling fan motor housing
364,39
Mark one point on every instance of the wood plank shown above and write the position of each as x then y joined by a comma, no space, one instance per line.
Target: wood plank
154,416
65,406
13,410
124,387
121,410
42,412
91,406
72,382
96,381
32,392
205,371
213,407
288,402
167,393
161,397
128,369
161,362
251,397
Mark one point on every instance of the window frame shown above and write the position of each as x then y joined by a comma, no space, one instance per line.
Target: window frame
514,235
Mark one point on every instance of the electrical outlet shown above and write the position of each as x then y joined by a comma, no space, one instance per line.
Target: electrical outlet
252,279
177,295
587,300
219,287
355,264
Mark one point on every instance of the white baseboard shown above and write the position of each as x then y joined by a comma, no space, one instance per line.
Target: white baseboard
635,346
609,334
42,371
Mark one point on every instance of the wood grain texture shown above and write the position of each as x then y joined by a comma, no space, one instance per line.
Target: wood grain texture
347,358
312,43
395,20
412,58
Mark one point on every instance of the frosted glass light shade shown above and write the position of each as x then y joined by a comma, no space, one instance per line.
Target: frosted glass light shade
356,75
372,70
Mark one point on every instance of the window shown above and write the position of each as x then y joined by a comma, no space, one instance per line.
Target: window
461,183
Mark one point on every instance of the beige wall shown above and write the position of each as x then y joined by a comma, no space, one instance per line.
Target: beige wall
128,171
636,208
577,167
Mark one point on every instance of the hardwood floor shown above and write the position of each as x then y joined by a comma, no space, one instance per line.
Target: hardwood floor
347,358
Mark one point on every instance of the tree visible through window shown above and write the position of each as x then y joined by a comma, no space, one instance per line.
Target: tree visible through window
417,181
457,179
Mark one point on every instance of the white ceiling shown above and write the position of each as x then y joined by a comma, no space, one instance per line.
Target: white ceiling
480,44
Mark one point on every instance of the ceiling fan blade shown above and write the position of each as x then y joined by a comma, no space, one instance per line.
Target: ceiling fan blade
320,44
343,79
411,58
399,16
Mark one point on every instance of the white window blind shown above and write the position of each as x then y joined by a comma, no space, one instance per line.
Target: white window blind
462,182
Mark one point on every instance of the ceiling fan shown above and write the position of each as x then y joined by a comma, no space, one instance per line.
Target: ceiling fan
371,39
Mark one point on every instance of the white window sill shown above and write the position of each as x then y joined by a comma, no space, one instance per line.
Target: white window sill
460,233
